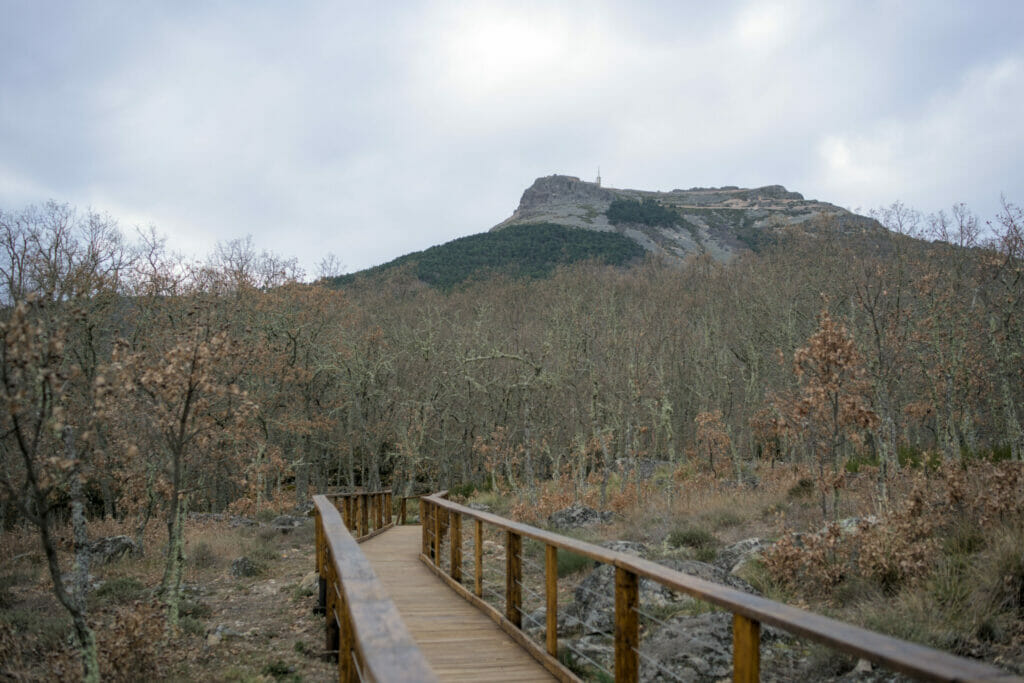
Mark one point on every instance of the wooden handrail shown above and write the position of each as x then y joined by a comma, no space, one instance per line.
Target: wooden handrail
749,611
363,624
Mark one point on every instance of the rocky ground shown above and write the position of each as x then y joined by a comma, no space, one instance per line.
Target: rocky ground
247,611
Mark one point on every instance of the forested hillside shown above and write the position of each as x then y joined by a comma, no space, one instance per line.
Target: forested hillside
531,250
237,382
137,386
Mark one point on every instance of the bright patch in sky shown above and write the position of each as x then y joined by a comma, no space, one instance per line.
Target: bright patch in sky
761,25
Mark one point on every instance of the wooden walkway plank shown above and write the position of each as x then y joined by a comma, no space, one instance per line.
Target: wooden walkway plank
460,642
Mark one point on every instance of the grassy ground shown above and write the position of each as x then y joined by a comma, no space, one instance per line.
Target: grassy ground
258,628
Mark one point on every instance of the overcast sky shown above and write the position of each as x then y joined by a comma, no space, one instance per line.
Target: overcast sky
377,128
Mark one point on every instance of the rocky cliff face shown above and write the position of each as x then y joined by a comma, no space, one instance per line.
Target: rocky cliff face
717,221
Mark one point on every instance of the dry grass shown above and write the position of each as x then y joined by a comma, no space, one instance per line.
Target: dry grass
943,567
34,629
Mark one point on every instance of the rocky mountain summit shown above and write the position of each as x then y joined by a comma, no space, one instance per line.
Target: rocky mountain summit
717,221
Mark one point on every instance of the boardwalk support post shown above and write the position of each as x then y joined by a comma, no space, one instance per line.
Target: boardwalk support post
551,593
627,631
478,558
425,526
435,514
364,521
513,578
346,641
456,547
746,649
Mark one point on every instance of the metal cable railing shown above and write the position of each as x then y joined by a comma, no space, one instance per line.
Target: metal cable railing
511,599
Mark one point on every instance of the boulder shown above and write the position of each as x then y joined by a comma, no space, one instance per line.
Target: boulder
309,583
112,548
306,509
732,556
593,609
287,522
482,507
206,516
577,515
628,547
243,567
695,648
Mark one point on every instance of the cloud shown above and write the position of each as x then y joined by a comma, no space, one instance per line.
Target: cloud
371,131
960,143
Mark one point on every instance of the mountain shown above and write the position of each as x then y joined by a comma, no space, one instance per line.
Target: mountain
562,219
718,221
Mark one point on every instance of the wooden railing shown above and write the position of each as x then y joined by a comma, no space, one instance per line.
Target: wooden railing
443,518
363,625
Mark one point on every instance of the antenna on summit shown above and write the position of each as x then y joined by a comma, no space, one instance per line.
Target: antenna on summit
598,181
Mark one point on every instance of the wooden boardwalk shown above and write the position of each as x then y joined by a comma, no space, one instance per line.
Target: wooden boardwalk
460,642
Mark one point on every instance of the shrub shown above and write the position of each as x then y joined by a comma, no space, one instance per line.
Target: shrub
648,212
461,491
264,549
118,591
130,642
203,556
692,537
802,490
191,626
570,562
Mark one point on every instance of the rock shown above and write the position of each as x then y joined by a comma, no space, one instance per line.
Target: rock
237,521
309,583
206,516
306,509
628,547
732,556
287,522
577,515
696,648
213,639
863,667
223,632
535,623
594,598
482,507
600,649
690,648
113,548
492,548
243,566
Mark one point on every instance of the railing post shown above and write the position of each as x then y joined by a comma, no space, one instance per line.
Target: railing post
746,649
456,547
513,578
627,631
401,510
424,527
435,513
331,630
382,499
321,599
346,640
478,558
551,593
364,513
